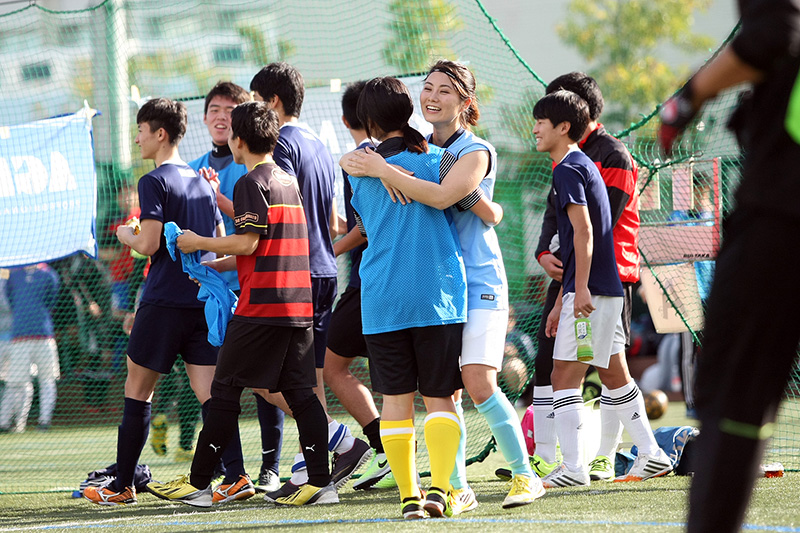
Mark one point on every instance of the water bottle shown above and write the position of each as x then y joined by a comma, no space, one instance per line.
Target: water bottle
583,335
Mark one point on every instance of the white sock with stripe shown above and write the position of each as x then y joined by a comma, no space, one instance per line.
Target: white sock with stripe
629,403
568,407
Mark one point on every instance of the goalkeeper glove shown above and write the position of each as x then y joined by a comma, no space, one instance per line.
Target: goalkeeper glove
676,114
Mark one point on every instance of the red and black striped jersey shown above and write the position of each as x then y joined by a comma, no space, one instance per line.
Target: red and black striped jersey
275,280
619,172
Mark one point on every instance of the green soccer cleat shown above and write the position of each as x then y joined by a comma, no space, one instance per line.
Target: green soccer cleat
180,490
542,467
412,508
436,503
376,471
601,469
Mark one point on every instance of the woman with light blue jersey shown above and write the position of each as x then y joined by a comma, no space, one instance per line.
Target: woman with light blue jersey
448,102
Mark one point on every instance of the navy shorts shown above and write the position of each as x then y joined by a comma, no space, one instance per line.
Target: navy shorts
424,359
264,356
345,337
159,334
323,294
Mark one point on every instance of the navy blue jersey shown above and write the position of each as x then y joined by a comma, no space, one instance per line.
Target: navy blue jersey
576,180
174,192
32,293
355,253
300,153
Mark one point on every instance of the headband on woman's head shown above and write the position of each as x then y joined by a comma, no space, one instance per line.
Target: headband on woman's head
451,76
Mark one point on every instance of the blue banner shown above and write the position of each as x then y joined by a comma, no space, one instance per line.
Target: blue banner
48,190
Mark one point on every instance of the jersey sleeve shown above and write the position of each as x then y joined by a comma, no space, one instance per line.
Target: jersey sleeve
568,186
250,207
152,196
283,158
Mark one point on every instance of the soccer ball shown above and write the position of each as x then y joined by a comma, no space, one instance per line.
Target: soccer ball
656,403
513,376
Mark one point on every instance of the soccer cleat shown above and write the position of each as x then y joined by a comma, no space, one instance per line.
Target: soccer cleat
542,467
389,482
180,490
228,492
310,495
183,455
345,464
158,434
436,503
646,467
377,470
561,476
106,496
460,501
524,490
601,469
268,481
503,473
412,508
285,490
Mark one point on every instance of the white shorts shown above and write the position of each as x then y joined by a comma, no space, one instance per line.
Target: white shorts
608,336
21,354
483,341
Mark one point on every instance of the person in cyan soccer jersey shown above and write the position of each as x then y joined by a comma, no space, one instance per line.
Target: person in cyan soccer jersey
222,172
303,155
448,102
269,342
619,173
345,338
590,288
170,319
413,300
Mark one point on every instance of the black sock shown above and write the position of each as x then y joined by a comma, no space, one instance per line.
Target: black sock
188,414
313,429
270,420
131,438
373,433
219,428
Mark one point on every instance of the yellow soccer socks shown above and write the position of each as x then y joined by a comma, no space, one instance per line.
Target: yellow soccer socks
398,444
442,433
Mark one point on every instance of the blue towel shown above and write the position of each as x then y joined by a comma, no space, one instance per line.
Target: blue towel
220,301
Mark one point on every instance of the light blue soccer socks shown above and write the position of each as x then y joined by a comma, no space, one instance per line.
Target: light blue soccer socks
505,426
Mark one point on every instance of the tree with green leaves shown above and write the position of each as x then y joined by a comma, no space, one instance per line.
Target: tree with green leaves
623,41
418,34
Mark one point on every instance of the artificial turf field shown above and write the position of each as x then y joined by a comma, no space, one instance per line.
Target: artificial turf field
652,506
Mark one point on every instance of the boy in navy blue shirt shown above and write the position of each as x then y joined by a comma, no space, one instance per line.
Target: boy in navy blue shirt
591,288
170,319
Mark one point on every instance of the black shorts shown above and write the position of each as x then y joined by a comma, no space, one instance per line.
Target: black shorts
627,302
264,356
424,359
159,334
345,337
323,294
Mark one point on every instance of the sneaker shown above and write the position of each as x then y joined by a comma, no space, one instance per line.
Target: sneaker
268,481
647,466
542,467
503,473
561,476
180,490
106,496
436,503
460,501
158,434
345,464
601,469
412,508
524,490
183,455
241,490
389,482
310,495
285,490
378,469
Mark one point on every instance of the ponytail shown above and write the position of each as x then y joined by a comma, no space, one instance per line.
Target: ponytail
414,140
471,114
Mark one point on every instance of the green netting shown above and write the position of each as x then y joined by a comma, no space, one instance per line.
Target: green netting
119,53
